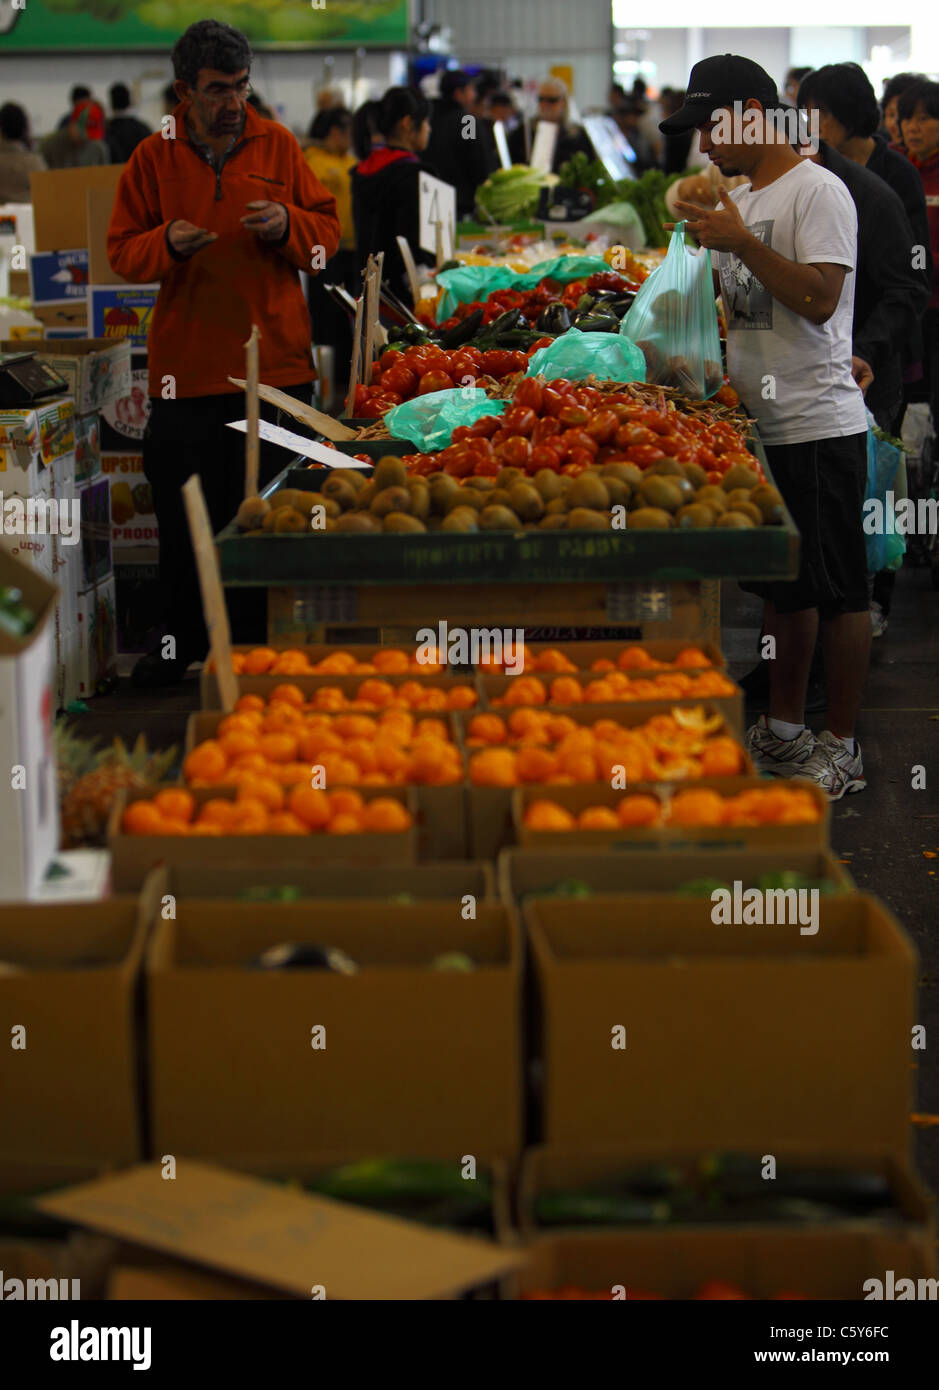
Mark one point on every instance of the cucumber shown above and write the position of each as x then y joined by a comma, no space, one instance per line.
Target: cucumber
597,1208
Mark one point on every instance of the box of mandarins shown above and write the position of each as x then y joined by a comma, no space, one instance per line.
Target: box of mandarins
261,669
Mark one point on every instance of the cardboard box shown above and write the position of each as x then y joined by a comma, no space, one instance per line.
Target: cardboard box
97,637
736,1036
29,813
134,856
87,446
362,653
140,600
433,1058
35,543
122,312
67,572
94,496
124,417
72,1091
45,430
133,520
58,278
288,1241
494,688
60,203
60,321
666,838
524,873
97,370
548,1169
445,881
100,206
821,1263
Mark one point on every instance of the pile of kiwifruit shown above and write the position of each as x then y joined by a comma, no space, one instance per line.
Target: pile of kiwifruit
667,495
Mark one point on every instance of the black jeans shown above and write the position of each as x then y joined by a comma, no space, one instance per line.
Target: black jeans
192,436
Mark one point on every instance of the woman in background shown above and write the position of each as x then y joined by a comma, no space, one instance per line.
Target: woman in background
332,161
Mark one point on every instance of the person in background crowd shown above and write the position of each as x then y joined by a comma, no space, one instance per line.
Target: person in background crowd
124,130
501,107
785,248
794,79
386,187
676,148
256,101
485,83
365,133
17,158
332,161
330,99
894,88
223,216
572,139
461,149
649,114
82,142
77,94
630,120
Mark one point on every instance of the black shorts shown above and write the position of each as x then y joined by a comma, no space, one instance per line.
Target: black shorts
823,482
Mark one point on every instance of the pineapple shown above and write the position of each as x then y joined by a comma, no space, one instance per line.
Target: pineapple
90,779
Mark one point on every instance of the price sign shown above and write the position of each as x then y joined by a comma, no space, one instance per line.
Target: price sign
502,144
437,215
542,150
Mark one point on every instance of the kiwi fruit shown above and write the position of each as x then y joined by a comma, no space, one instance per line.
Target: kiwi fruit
499,497
556,507
588,491
649,519
498,519
289,521
442,488
285,497
736,520
739,494
696,516
507,476
366,495
661,492
361,522
526,501
330,506
748,509
556,521
389,472
420,497
739,476
268,523
695,474
667,468
713,495
355,477
484,484
618,491
587,519
391,499
548,483
461,519
401,521
770,503
340,488
626,472
251,513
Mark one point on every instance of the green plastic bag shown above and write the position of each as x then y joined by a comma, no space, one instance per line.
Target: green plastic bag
673,319
885,547
576,355
429,421
470,283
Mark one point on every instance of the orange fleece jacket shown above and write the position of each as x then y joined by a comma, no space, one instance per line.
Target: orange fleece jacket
208,301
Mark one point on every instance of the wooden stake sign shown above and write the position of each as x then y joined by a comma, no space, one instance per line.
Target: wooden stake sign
306,414
252,438
356,358
213,595
411,269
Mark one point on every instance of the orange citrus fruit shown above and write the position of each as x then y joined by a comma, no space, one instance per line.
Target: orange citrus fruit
142,818
311,805
207,761
175,803
548,815
386,815
640,809
259,660
598,818
345,824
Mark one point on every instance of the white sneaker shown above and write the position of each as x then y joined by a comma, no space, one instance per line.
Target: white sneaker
775,756
878,620
833,768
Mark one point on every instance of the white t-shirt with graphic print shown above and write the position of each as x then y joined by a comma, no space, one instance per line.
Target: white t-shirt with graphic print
793,376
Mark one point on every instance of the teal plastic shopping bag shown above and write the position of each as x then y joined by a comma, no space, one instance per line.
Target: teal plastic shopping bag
576,355
429,421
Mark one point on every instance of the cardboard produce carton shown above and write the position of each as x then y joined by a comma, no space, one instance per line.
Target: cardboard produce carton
124,417
96,627
661,1024
450,880
133,519
44,431
96,369
400,1058
60,203
29,812
71,1089
87,446
122,313
291,1243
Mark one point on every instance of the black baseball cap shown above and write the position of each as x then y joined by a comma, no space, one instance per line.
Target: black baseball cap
716,82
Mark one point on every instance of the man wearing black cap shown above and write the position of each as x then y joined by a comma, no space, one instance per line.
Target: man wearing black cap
786,247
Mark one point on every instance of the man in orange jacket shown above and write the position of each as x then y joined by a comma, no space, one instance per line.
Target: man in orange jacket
222,209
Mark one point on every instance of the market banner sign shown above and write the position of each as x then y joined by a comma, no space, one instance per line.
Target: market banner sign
129,24
122,311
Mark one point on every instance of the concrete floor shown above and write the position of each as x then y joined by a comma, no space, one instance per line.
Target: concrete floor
882,833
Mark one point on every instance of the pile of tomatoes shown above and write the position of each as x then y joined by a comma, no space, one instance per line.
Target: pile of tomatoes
418,370
566,426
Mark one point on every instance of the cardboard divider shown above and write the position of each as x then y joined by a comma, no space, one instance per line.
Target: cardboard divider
72,1089
734,1034
524,873
555,1168
431,1058
763,1261
134,856
666,838
453,879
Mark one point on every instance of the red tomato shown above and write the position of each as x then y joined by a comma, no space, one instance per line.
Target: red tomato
361,396
530,392
573,416
553,401
544,456
643,454
590,397
389,358
602,426
460,433
580,439
498,363
515,451
415,357
400,379
520,419
731,458
486,426
546,428
372,408
715,477
538,345
461,365
706,457
460,464
630,435
579,459
487,468
434,381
